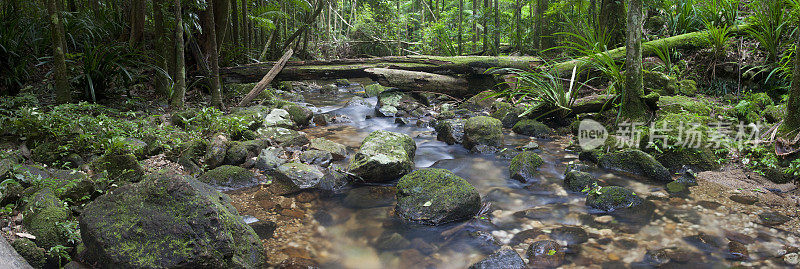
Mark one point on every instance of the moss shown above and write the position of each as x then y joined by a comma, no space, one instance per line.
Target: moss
166,222
34,255
533,128
46,152
676,187
43,213
635,162
384,156
612,198
483,130
299,114
252,114
761,100
687,87
577,181
183,118
683,104
524,165
120,168
373,90
10,192
436,196
660,83
229,177
284,137
481,101
773,114
699,159
236,153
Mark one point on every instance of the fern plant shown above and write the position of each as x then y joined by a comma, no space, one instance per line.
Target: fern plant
770,24
542,90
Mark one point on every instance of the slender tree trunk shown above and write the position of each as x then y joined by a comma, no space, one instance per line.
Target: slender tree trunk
518,23
137,21
538,31
245,25
496,50
632,105
221,14
460,23
611,21
474,25
61,87
179,91
235,20
161,41
213,57
791,123
486,25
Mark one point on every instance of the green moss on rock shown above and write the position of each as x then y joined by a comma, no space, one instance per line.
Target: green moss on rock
635,162
684,104
373,90
687,87
533,128
284,137
228,177
384,156
436,196
120,168
300,115
168,222
35,256
525,165
450,131
338,151
483,130
43,213
577,181
612,198
698,159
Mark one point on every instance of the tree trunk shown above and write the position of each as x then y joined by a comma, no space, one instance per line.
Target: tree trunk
632,105
460,23
213,57
137,21
62,87
245,25
791,123
221,14
496,50
518,23
162,81
235,20
485,25
179,90
612,21
538,31
474,25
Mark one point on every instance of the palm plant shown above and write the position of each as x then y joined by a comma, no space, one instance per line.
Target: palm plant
542,90
681,16
770,24
717,37
103,65
720,12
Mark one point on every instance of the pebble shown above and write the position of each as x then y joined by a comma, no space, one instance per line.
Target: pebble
607,232
792,258
604,219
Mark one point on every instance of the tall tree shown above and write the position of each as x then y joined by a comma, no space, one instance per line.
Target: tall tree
538,30
245,25
179,91
62,87
213,56
460,23
791,123
486,25
474,25
161,41
137,18
633,106
235,20
496,13
612,22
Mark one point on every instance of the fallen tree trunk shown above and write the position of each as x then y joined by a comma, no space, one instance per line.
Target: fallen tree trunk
356,68
688,40
267,78
420,81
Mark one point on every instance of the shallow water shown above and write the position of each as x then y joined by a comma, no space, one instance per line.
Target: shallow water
356,233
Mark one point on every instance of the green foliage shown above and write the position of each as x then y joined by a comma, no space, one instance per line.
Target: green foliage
542,90
103,66
16,54
770,24
722,13
718,37
681,16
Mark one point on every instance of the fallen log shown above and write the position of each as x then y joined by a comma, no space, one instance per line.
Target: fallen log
420,81
468,66
688,40
261,85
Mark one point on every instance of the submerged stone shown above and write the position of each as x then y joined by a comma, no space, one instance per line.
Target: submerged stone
168,222
612,198
384,156
436,196
636,162
577,181
533,128
503,258
545,254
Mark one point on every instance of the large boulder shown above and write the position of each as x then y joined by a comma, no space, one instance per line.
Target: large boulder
217,150
302,175
483,130
436,196
396,103
120,167
450,131
43,214
228,177
168,222
300,115
524,166
635,162
269,159
384,156
533,128
700,159
279,118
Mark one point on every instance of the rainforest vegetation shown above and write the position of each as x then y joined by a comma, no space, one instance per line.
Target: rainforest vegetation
399,133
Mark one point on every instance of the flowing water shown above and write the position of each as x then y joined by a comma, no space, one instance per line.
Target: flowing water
358,236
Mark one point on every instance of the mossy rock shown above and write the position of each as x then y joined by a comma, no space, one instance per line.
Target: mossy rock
577,181
701,159
236,154
10,192
687,87
684,104
480,102
316,157
338,151
778,176
228,177
69,185
659,82
612,198
450,131
284,137
525,165
279,118
504,258
189,155
6,165
253,114
635,162
302,175
676,188
483,130
300,115
761,100
774,114
269,159
373,90
120,168
533,128
384,156
183,118
168,221
217,150
43,213
34,255
545,254
436,196
46,152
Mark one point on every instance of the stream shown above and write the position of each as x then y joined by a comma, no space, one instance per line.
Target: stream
681,233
